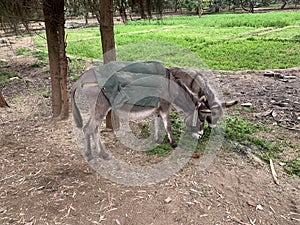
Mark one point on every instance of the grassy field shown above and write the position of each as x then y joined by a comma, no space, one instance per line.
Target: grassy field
226,41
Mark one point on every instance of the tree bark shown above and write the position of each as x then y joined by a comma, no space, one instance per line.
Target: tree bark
107,40
54,24
3,103
107,31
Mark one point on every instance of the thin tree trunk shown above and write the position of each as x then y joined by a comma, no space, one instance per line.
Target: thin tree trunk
200,8
63,64
107,31
149,8
3,103
142,9
86,18
284,4
107,39
160,8
54,24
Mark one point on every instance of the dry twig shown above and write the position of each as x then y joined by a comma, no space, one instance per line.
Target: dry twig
239,221
8,177
274,174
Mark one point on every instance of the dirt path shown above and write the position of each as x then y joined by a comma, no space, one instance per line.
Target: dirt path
45,180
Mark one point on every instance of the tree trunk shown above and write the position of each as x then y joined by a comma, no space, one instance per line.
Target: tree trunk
86,18
122,10
107,39
200,8
149,8
142,9
160,8
107,31
54,24
63,64
284,4
3,103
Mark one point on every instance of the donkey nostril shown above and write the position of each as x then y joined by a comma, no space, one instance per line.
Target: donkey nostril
197,135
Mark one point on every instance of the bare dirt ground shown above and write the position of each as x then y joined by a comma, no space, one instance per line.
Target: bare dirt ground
45,180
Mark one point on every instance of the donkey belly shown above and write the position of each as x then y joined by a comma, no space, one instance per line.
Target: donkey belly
133,112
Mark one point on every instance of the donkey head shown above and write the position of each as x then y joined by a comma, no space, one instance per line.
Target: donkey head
215,112
203,112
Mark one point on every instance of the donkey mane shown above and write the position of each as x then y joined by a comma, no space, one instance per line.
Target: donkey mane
195,84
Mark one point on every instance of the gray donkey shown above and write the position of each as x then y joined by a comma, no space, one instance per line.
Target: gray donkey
186,88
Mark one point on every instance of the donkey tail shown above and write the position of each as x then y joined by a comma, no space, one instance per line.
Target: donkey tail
76,114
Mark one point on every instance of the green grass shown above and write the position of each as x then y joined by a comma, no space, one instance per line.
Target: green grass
237,130
165,148
5,75
293,166
241,130
41,56
225,41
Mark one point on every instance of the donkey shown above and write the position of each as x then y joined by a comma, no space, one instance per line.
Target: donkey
185,88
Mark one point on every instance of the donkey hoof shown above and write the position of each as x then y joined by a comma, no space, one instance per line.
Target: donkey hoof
105,156
89,158
174,144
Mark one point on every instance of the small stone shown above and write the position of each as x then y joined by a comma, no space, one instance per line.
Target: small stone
14,78
247,104
168,199
259,207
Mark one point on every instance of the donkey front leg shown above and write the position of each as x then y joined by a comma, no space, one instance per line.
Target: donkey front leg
158,137
167,124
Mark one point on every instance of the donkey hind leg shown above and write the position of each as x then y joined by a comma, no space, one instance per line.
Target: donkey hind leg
167,124
88,130
92,129
100,148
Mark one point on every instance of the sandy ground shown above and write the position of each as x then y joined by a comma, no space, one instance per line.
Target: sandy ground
45,180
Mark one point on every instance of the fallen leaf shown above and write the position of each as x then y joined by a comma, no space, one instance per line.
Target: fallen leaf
251,203
196,155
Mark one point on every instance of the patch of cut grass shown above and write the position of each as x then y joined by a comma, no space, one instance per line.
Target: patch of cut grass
223,41
165,148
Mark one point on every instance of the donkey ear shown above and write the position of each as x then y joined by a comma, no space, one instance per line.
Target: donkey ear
202,99
205,112
229,104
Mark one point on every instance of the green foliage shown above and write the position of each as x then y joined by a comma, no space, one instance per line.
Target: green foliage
5,75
